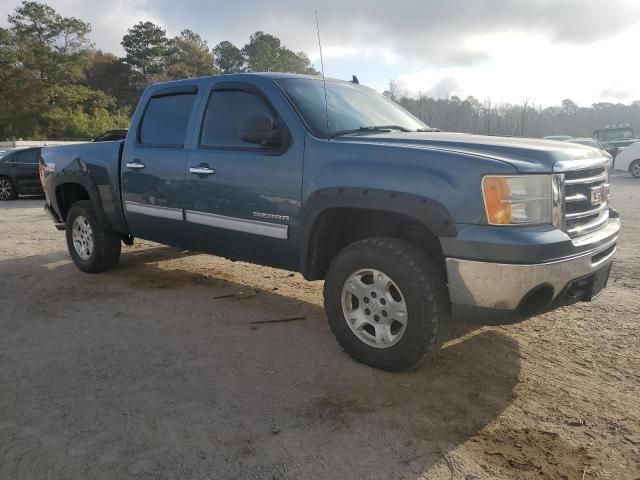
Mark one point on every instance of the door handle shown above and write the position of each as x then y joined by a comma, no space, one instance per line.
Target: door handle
135,165
202,170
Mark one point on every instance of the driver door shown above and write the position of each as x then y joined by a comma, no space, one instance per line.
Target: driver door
241,198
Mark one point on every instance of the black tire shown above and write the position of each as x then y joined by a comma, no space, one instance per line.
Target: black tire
106,243
7,189
634,168
423,285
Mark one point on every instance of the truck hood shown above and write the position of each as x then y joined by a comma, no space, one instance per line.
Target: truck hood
524,154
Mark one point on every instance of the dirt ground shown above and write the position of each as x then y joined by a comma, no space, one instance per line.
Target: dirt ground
155,371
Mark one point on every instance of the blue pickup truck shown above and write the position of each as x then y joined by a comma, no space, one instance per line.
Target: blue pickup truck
411,228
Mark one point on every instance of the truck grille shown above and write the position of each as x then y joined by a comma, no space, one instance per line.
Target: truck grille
586,200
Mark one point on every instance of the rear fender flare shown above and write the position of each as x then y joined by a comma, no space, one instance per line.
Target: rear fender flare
85,181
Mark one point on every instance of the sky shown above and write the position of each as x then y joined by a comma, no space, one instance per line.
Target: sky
539,51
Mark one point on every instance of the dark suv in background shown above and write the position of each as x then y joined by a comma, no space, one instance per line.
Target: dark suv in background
19,174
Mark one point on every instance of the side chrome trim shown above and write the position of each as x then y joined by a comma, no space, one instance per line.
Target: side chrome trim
154,210
255,227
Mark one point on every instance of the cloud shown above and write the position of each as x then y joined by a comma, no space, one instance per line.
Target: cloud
503,49
428,31
617,91
444,88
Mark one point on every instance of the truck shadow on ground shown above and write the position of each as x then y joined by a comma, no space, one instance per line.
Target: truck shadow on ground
23,201
140,373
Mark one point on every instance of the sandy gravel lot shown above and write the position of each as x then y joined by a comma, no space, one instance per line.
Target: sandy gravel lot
155,371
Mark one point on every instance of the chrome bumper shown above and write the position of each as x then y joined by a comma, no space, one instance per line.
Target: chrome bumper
503,286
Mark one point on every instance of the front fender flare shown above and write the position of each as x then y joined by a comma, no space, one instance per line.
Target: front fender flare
428,212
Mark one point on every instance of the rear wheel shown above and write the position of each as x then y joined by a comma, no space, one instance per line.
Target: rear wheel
92,247
7,190
386,302
635,168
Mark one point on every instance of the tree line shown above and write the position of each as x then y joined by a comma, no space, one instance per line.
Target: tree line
527,119
55,85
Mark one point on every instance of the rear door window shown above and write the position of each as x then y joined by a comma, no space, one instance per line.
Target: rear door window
29,157
165,120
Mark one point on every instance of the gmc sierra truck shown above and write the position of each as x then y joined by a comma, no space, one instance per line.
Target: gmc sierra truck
410,228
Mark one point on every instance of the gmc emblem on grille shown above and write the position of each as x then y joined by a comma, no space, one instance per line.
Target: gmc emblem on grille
598,195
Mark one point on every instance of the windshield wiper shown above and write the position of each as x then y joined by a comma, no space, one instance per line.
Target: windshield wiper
373,128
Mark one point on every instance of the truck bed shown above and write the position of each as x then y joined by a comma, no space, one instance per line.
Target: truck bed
96,166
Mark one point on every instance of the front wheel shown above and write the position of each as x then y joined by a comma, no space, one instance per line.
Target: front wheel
635,168
387,303
93,248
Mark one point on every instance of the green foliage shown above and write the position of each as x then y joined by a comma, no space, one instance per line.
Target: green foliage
52,47
54,84
228,58
81,112
44,63
115,77
189,56
147,47
264,53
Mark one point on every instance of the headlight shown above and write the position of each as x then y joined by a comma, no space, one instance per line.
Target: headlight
522,199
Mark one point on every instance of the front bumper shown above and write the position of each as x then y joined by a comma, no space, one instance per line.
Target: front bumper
495,292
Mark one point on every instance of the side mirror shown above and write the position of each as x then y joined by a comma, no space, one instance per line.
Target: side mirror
262,131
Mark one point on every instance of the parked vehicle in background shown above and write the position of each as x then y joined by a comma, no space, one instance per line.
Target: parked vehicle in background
562,138
6,151
411,229
111,135
19,173
628,159
613,138
589,142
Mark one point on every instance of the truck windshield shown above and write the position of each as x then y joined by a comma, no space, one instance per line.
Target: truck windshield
353,109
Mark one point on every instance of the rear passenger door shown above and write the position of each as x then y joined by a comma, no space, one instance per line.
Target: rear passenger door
153,166
25,174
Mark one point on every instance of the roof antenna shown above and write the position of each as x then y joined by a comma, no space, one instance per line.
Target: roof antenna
354,80
324,81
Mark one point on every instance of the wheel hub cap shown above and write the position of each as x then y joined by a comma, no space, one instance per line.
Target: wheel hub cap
5,189
636,170
82,238
374,307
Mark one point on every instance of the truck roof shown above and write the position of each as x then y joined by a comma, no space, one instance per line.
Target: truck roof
247,76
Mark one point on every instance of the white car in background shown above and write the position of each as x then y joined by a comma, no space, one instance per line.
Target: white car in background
628,159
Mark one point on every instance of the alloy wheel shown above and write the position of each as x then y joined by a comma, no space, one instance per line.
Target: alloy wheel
374,307
6,190
82,235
